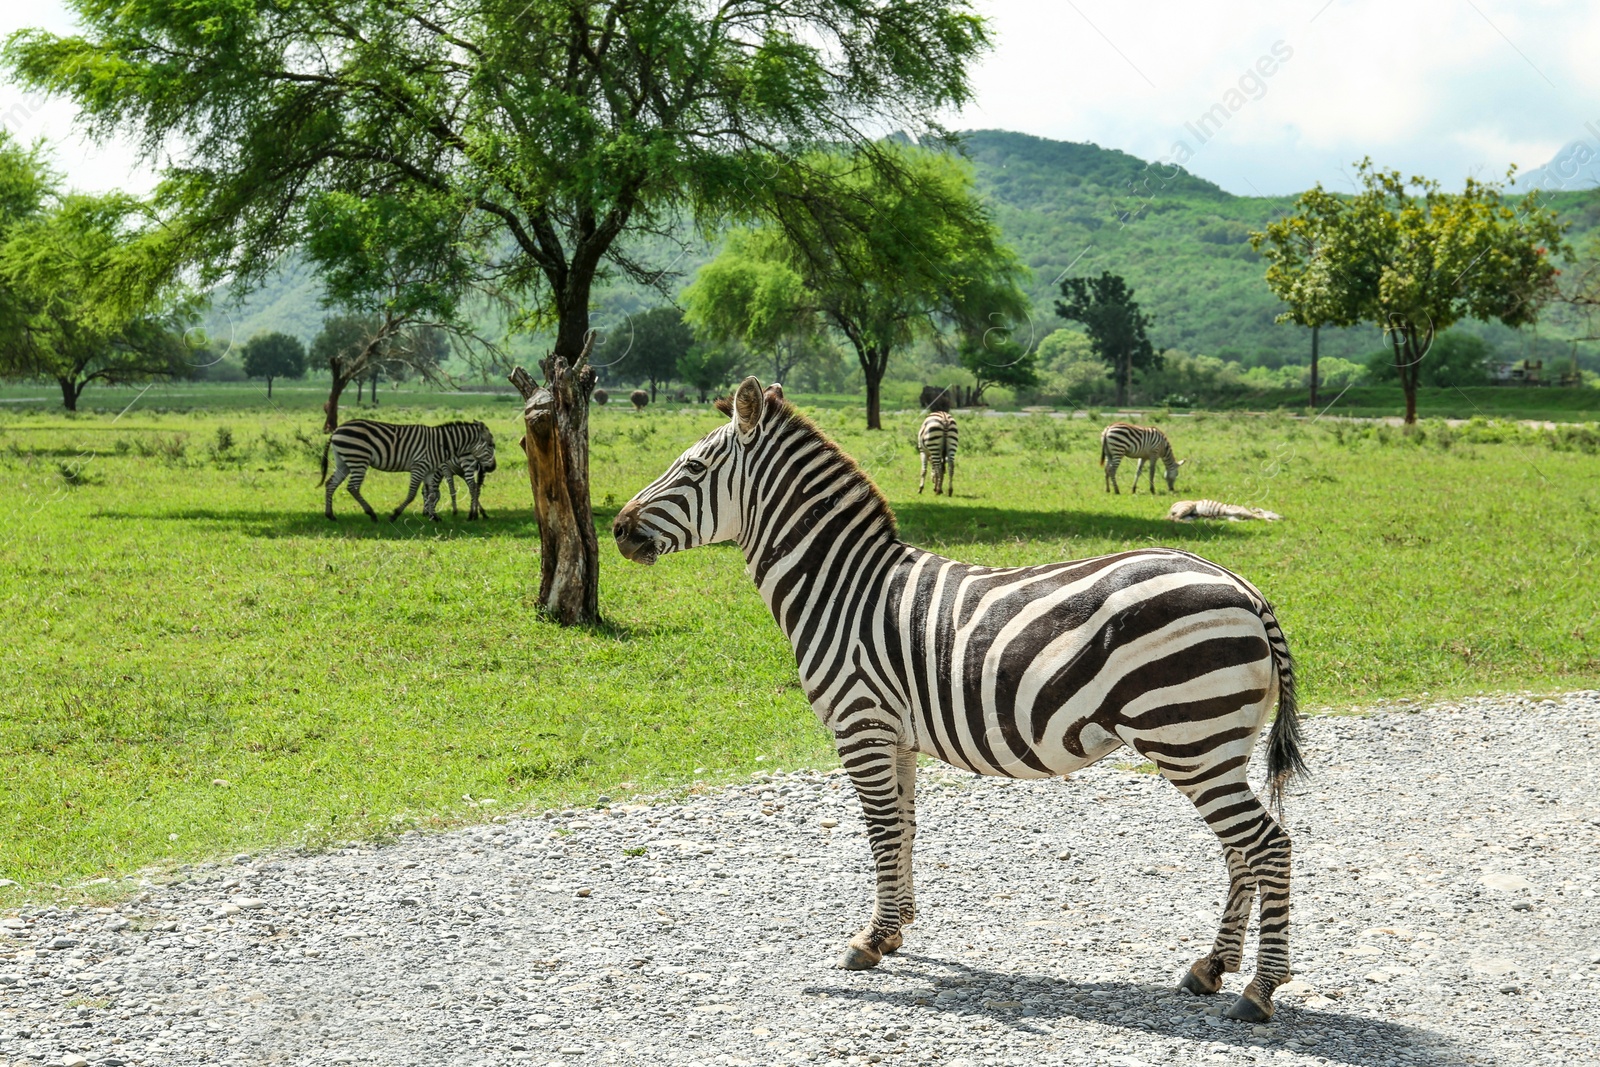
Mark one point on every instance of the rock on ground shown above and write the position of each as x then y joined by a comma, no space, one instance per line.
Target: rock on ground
1444,913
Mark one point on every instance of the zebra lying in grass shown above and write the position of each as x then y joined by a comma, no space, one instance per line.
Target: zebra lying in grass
936,441
1189,510
1028,672
1144,443
423,450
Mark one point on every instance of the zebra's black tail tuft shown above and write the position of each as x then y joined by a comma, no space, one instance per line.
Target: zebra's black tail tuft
325,461
1102,450
1284,760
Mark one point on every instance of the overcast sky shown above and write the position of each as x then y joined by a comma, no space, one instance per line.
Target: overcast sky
1295,90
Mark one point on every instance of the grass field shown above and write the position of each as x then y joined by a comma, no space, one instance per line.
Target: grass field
197,662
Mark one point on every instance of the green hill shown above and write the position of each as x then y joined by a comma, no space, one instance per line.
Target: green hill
1182,243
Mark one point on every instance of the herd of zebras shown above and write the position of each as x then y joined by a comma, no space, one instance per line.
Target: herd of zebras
1027,672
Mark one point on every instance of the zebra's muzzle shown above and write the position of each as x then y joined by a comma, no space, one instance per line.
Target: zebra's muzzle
634,543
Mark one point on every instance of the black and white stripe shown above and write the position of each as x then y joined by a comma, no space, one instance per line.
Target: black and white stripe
1144,443
1029,672
425,451
936,440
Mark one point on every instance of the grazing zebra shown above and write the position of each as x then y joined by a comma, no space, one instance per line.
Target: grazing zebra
422,450
936,440
1144,443
1029,672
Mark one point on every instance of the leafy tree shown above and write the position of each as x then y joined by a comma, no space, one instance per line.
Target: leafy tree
520,141
1115,325
659,341
274,355
884,260
93,296
708,367
760,302
1413,260
1000,362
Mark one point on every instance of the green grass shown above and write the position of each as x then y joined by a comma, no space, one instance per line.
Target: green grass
180,614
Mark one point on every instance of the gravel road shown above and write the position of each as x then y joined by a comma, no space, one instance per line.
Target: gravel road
1446,874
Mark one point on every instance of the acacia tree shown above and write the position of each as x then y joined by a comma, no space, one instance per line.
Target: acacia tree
1114,324
549,128
92,296
274,355
886,258
1413,260
760,302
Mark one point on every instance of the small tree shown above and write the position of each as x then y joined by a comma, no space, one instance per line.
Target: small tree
1115,325
887,258
1412,260
708,367
94,296
1455,359
660,339
274,355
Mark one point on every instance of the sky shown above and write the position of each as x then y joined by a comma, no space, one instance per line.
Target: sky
1260,96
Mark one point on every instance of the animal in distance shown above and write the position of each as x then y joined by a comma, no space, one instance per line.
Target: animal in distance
1189,510
936,441
1144,443
425,451
1027,672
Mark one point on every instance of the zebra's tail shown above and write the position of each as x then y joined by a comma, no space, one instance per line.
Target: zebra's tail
1104,452
1284,760
325,460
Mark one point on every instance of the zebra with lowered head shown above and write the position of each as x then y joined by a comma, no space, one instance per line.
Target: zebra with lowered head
425,451
1028,672
1144,443
936,440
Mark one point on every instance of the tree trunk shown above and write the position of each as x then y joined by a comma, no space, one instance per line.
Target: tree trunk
1405,349
1314,331
374,390
330,408
361,388
652,390
269,387
70,390
556,416
1123,369
874,399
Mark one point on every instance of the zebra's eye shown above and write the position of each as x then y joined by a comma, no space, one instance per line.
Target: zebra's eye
694,466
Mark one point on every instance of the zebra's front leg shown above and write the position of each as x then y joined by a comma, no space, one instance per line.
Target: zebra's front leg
416,482
905,767
1138,470
430,498
870,757
474,487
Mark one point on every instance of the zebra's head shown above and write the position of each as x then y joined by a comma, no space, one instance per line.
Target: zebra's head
700,498
1172,474
483,448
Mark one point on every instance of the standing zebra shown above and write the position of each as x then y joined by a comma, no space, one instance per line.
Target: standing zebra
474,480
1029,672
936,440
1144,443
422,450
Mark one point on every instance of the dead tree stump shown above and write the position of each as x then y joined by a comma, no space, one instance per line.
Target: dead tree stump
556,444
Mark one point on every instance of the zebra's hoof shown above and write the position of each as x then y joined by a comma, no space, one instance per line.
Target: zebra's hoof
1200,980
859,955
1248,1010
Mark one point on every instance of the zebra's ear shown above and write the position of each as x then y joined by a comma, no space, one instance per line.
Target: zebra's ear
749,404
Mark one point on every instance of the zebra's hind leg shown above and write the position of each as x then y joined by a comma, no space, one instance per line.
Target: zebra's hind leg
1257,850
950,475
339,475
1111,477
924,479
870,754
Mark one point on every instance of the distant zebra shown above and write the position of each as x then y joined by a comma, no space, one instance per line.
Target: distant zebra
936,440
422,450
1144,443
1029,672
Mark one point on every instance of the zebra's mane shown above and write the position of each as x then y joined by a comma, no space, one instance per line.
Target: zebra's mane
783,417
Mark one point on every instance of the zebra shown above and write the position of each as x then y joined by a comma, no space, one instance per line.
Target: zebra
1027,672
1144,443
422,450
936,440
